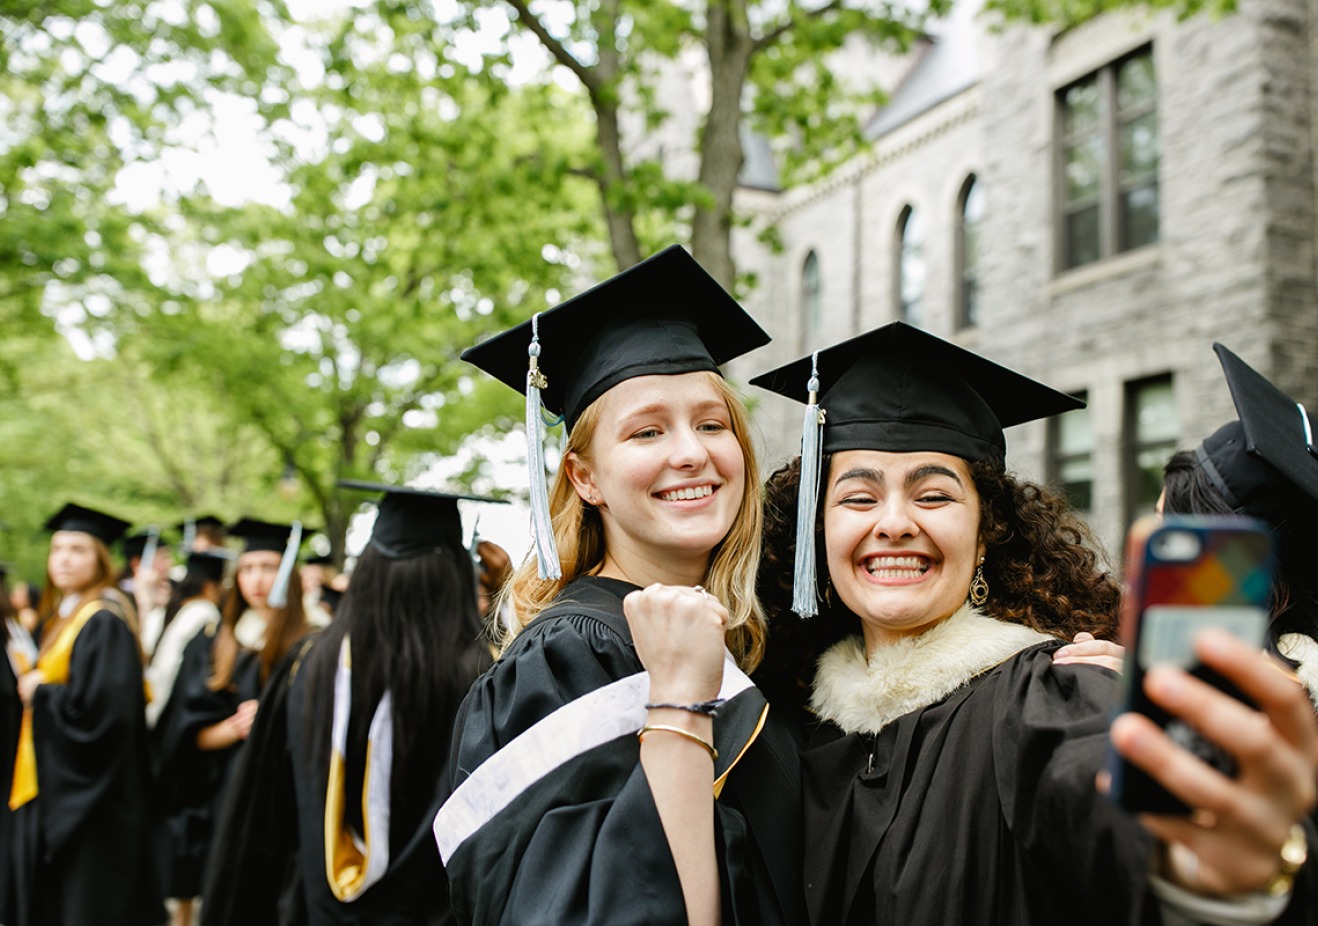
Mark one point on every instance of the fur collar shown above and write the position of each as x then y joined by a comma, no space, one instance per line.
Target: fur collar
1302,649
863,695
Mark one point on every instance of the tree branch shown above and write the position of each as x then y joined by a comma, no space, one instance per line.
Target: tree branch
554,46
772,36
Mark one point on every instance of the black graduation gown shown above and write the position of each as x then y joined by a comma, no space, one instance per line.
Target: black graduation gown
979,808
584,844
271,837
192,780
84,847
251,878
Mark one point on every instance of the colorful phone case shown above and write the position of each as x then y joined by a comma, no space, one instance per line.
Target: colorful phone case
1186,573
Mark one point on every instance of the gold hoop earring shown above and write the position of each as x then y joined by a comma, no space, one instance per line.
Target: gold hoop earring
979,590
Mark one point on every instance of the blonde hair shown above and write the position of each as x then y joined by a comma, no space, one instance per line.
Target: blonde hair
579,535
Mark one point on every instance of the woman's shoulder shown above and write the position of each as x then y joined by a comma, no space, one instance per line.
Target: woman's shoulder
570,649
587,615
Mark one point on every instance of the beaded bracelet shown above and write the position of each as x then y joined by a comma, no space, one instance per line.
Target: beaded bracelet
668,728
705,708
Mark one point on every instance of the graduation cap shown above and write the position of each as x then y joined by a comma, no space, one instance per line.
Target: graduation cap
665,315
412,522
104,527
210,565
320,559
189,527
900,389
1261,461
263,536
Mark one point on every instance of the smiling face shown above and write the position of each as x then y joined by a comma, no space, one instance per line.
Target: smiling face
902,534
256,576
667,474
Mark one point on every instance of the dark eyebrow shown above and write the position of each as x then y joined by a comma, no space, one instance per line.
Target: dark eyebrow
931,469
914,476
861,472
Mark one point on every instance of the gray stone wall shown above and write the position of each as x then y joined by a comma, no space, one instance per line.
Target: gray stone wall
1235,261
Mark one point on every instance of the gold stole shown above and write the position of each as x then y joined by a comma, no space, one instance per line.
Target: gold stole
54,665
352,866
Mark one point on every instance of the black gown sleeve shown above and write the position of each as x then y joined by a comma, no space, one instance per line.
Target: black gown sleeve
251,879
584,844
1049,743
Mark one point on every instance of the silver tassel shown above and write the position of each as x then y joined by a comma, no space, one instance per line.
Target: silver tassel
278,596
805,590
546,553
189,535
148,560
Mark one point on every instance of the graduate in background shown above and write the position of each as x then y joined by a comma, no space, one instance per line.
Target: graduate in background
214,701
82,832
317,572
145,578
193,607
351,741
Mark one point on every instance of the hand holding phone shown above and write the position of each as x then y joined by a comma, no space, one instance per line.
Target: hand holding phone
1185,574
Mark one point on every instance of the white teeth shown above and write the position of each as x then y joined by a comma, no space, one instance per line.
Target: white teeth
896,567
678,495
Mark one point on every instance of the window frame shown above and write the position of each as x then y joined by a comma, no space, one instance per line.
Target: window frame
1111,186
963,276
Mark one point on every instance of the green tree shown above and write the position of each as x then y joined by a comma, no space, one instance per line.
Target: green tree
86,89
768,67
431,205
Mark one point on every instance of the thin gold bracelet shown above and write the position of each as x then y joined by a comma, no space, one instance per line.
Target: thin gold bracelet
669,728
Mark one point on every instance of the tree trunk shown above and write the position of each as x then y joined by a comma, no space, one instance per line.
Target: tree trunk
619,213
730,46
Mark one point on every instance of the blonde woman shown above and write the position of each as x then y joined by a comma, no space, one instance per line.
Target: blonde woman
587,761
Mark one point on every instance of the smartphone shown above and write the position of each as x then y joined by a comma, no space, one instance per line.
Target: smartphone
1185,573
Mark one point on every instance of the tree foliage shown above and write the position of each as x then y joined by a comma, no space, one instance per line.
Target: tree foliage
768,66
431,207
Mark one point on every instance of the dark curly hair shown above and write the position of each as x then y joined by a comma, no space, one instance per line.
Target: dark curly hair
1042,565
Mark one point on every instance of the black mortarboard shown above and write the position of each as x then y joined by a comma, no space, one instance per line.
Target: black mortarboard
261,535
104,527
665,315
134,545
208,521
1259,462
902,389
411,522
320,559
210,565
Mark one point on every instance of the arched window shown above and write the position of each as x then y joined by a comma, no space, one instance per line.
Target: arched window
972,213
910,266
811,307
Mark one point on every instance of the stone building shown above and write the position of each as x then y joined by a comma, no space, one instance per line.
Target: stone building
1093,207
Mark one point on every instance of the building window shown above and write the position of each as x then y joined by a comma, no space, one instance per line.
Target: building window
1071,457
1151,436
1108,131
972,214
811,304
910,266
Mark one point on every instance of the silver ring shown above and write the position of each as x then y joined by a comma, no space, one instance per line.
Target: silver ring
701,589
